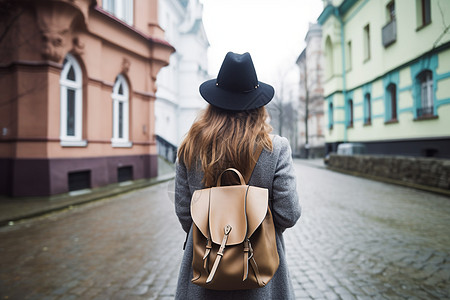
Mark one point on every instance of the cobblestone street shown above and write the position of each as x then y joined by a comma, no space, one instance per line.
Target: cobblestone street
361,239
356,239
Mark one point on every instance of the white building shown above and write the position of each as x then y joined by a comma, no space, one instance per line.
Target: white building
178,100
311,62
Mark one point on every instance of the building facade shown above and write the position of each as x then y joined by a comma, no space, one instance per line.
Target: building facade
78,91
312,123
387,75
178,100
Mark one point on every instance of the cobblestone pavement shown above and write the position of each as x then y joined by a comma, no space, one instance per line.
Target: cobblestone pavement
360,239
357,239
126,247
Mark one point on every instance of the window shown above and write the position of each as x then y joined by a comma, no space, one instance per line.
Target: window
425,79
366,42
120,112
124,173
423,13
71,103
367,110
122,9
330,116
329,58
391,11
350,113
349,55
79,180
392,102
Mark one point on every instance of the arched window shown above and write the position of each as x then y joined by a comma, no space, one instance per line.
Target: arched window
350,113
71,102
120,112
330,116
329,58
392,102
367,109
425,80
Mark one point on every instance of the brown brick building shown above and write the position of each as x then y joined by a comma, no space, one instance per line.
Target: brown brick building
77,82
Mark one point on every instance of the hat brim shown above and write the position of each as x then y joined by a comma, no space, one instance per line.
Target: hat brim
237,101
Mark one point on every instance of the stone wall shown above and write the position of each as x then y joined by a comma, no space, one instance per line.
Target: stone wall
419,172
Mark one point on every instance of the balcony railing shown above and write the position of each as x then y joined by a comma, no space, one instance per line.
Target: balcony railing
389,33
425,111
166,149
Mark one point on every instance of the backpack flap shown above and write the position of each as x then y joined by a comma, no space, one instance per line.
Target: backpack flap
200,210
242,207
227,207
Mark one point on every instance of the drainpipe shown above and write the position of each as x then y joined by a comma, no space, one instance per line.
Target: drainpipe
344,75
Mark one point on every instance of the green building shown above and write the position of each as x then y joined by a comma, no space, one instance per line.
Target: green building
387,75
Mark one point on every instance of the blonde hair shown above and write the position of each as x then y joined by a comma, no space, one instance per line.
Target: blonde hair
221,139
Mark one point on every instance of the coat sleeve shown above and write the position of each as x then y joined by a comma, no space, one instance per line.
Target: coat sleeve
182,197
286,207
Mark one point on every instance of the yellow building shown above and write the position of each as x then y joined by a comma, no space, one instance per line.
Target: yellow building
387,75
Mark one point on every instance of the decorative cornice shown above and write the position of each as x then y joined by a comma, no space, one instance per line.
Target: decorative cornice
111,85
326,13
31,63
151,39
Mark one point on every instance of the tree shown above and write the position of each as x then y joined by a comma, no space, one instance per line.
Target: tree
283,108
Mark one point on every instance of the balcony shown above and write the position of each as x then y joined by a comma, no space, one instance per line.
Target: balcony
389,33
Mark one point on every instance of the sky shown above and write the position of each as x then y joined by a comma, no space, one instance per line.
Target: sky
272,31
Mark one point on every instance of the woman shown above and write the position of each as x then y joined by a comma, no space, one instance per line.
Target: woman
226,135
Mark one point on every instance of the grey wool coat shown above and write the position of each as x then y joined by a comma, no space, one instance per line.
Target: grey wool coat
274,171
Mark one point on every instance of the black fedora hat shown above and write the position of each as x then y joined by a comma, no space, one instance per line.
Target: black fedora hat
237,87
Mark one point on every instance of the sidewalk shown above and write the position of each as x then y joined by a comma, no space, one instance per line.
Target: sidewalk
15,209
315,162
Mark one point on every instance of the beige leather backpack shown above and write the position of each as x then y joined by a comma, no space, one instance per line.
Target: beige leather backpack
234,244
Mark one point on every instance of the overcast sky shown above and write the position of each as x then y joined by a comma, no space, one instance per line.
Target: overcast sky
273,31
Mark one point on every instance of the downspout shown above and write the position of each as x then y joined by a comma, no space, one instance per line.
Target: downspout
344,75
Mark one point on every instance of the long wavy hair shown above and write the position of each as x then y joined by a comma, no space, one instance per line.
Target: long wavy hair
221,139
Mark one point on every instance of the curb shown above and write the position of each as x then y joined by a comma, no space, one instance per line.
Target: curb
310,163
393,181
33,207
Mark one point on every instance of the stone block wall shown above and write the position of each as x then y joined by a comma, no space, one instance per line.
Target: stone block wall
425,173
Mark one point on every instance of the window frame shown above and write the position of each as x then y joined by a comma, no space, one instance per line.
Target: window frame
117,140
350,110
366,43
77,86
367,109
392,111
426,7
329,71
349,55
425,82
391,8
330,115
423,13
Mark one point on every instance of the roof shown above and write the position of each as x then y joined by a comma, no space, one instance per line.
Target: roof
301,56
337,11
